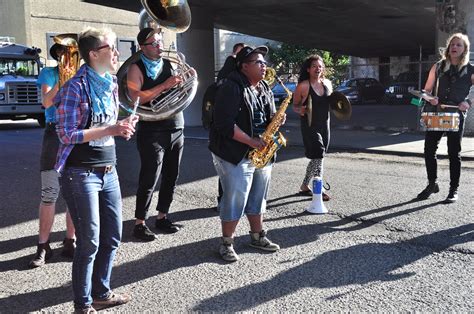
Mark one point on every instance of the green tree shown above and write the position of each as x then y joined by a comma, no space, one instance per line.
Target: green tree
287,59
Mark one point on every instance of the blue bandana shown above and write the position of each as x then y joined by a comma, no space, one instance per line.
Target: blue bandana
102,98
153,67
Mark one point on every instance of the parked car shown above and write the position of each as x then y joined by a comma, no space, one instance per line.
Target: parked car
398,92
279,93
360,90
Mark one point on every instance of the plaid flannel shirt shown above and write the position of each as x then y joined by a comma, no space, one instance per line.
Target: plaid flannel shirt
73,113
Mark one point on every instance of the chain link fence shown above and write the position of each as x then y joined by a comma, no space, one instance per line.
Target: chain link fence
382,83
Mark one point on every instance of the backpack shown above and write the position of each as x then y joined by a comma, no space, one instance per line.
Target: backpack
208,100
207,107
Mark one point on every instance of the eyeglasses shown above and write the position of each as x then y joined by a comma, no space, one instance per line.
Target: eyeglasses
154,44
258,62
112,48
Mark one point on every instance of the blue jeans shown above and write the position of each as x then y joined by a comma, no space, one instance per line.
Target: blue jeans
245,188
95,204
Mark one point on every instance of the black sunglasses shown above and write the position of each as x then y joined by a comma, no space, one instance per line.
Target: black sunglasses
112,48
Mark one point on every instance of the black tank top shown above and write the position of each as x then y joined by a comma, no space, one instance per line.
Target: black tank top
172,123
454,85
85,155
320,109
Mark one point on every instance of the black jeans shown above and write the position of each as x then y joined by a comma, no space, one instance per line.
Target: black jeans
160,153
432,139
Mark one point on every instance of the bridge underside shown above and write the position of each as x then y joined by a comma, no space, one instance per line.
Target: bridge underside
354,27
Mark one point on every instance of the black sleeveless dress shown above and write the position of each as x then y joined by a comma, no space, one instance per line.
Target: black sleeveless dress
316,136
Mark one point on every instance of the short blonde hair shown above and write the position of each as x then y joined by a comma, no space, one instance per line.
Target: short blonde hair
90,39
464,56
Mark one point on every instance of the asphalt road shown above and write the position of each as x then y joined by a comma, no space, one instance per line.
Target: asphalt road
376,250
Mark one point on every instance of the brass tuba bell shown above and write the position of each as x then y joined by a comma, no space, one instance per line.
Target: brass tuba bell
69,60
174,15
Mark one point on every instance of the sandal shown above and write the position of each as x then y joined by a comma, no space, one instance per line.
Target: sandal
305,193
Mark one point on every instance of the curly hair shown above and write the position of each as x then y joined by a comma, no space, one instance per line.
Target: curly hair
304,75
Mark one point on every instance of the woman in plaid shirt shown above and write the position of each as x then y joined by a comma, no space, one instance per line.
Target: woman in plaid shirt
87,123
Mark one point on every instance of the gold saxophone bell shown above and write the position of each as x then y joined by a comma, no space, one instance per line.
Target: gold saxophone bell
270,76
69,60
273,139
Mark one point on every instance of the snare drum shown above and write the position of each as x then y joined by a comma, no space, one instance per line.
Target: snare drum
440,121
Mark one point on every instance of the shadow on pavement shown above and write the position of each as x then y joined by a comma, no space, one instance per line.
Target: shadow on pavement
334,269
338,268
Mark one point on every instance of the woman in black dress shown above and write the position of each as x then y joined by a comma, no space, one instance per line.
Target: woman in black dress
312,92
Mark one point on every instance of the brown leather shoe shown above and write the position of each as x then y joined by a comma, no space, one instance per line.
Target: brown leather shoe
113,299
326,197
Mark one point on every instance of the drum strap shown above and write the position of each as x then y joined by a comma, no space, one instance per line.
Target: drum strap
439,67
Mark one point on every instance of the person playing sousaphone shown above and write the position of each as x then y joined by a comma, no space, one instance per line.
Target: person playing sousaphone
160,143
451,80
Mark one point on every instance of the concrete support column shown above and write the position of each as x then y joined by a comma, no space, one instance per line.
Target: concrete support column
453,16
197,44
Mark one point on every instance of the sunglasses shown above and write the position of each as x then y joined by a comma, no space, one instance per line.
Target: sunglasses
154,44
258,62
112,48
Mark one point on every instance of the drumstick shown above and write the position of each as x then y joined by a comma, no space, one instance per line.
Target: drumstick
135,106
447,106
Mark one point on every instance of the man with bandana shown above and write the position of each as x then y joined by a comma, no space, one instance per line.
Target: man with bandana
87,112
160,143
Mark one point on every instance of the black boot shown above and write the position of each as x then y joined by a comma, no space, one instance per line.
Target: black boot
68,248
43,253
452,196
430,189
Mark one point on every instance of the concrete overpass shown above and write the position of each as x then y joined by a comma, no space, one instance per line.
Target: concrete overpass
360,28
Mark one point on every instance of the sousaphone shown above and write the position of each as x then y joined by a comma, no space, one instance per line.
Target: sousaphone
176,16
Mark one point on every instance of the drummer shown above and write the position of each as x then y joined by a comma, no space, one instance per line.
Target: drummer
451,79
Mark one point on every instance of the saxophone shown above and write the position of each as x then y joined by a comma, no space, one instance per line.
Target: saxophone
273,139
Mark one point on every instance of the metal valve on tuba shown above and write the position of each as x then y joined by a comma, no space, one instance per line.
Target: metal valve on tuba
69,60
176,16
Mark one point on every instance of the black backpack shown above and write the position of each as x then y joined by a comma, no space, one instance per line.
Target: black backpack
208,101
